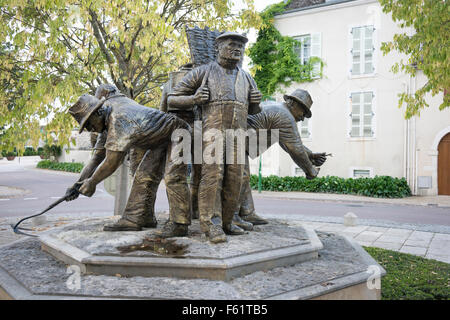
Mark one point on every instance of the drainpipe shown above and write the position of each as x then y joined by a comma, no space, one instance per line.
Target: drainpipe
415,150
405,141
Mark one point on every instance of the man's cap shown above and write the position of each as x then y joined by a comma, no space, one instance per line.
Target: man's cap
233,35
303,98
84,108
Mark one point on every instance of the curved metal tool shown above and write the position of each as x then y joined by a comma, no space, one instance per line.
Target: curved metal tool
18,230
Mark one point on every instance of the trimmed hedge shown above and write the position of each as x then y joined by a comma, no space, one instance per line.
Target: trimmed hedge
60,166
29,151
378,187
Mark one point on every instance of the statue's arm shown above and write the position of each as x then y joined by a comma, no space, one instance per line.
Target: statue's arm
99,155
317,159
291,142
108,167
189,91
97,158
301,158
163,104
112,161
255,97
181,101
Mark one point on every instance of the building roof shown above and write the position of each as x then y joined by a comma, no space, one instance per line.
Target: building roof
296,4
300,5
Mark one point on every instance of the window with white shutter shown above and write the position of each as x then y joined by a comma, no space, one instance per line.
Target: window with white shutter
304,128
310,46
362,114
316,51
362,51
361,173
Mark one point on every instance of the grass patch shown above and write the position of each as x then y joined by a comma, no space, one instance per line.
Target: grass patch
411,277
60,166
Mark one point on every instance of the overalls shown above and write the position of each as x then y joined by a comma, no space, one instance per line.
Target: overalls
227,109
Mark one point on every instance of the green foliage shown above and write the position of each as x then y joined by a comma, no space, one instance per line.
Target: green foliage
409,277
378,187
275,62
9,153
53,51
427,49
51,150
29,151
60,166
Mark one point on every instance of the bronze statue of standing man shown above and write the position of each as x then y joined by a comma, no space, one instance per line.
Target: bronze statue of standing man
226,94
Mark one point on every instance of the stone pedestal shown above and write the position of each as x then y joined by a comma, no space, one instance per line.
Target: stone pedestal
144,254
276,261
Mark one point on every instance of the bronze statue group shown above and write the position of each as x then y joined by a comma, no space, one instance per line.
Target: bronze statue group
220,96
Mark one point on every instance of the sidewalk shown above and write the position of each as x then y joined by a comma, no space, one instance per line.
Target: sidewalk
431,245
439,201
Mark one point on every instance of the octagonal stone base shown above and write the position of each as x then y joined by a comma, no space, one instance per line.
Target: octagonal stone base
144,254
340,272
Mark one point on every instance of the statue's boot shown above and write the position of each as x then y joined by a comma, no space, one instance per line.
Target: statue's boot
233,230
122,225
173,229
216,234
149,221
254,219
247,226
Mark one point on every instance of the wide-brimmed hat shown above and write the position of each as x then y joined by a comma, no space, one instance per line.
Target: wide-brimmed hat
233,35
84,108
303,98
105,90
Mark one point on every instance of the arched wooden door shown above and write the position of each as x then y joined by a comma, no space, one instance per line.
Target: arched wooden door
444,165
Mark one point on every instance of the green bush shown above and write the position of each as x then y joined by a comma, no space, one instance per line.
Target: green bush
60,166
410,277
51,150
9,153
29,151
378,187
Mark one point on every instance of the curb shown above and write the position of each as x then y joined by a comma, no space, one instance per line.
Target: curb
285,196
55,171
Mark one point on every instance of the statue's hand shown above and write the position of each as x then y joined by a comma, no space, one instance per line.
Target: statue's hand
255,96
318,159
312,174
88,188
71,194
201,96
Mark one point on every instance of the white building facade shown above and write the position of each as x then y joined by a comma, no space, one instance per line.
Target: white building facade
355,111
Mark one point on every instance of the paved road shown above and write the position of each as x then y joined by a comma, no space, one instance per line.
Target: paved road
46,186
372,211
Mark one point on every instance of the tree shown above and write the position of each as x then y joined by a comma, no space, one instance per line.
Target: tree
428,48
274,57
55,50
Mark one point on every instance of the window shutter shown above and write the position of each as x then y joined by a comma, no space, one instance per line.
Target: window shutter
316,51
362,114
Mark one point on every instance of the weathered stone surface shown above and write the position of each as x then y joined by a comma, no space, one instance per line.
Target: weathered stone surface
336,252
144,253
90,237
339,264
